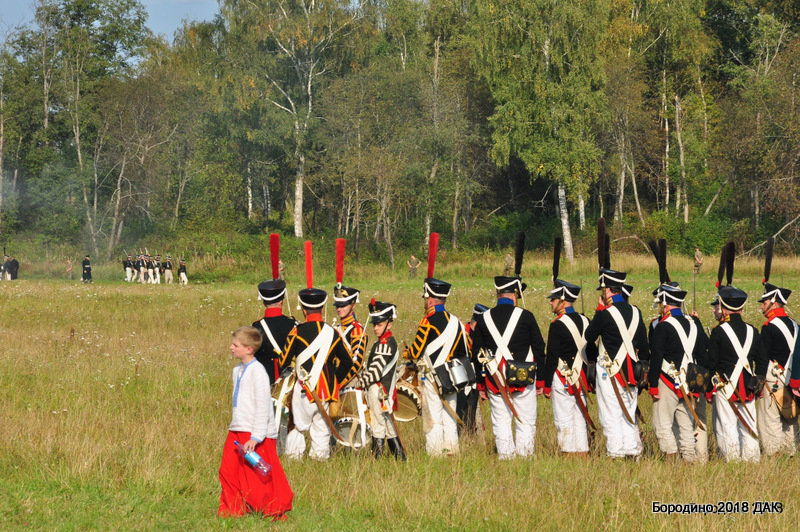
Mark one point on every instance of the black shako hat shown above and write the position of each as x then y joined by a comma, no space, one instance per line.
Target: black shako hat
775,294
731,297
477,310
436,288
344,295
504,283
611,278
271,291
564,290
312,298
669,294
380,311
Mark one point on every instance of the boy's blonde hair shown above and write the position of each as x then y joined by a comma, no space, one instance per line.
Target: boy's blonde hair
248,336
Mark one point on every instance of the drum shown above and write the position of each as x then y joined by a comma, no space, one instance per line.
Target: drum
350,430
409,402
344,414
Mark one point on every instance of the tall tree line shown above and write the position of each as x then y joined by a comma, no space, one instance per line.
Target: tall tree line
381,121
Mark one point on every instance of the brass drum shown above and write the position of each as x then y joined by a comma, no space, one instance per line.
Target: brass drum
344,414
409,402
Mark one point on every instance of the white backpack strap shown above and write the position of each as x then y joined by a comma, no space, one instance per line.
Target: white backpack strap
442,344
626,332
502,340
271,338
791,339
319,347
741,351
688,342
578,338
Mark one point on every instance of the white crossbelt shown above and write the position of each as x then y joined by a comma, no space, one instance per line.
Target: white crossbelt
626,333
791,340
573,375
271,338
687,342
741,354
502,340
319,347
443,344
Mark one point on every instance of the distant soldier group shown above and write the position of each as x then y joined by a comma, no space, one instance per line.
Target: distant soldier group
335,390
151,269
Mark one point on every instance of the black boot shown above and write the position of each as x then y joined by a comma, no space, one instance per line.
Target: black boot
396,448
377,447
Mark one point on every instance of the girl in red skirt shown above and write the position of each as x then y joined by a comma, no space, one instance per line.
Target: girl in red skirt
253,425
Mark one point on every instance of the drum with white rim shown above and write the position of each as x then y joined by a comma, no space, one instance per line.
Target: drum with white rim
409,402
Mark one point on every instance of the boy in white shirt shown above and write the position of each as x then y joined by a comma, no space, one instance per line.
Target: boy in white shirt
252,425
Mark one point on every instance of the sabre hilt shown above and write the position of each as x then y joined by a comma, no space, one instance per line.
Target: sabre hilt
303,375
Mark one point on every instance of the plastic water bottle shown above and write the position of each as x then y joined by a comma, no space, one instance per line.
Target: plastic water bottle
254,460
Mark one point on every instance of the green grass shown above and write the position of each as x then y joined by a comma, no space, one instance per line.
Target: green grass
115,399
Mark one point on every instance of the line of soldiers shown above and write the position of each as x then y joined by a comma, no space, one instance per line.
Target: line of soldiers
503,357
147,269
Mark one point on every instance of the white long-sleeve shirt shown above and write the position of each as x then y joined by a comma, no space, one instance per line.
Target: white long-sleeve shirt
252,402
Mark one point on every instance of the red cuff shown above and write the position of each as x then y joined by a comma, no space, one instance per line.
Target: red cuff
540,384
547,391
709,396
653,391
481,386
794,383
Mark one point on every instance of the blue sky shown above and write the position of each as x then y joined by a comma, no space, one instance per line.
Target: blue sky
165,15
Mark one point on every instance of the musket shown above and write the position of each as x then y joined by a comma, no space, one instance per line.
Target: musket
694,290
582,297
303,377
484,359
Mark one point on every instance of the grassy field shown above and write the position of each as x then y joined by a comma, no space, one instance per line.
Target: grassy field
115,399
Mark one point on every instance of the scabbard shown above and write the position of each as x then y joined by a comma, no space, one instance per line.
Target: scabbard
323,412
576,390
689,398
621,402
506,397
741,418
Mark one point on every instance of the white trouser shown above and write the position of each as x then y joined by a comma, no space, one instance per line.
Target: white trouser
168,276
150,276
157,273
622,436
673,423
525,404
776,433
443,436
128,274
569,421
701,436
183,279
307,418
141,274
734,441
381,426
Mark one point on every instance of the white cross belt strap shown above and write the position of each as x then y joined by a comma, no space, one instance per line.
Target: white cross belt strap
791,340
580,342
501,340
443,344
271,338
741,353
626,333
688,342
319,347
